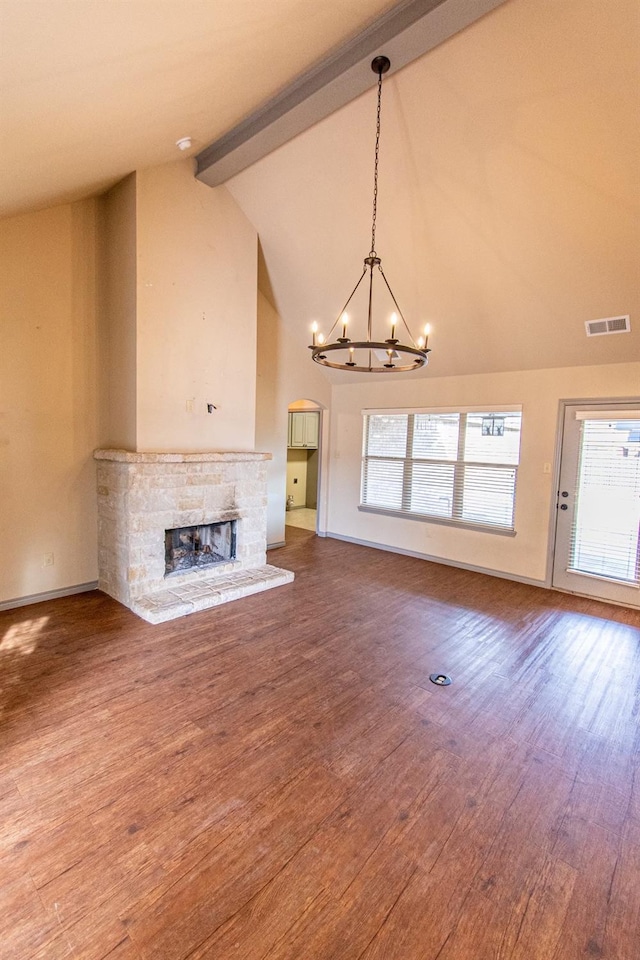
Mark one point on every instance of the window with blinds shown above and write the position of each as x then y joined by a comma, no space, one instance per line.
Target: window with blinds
606,527
453,467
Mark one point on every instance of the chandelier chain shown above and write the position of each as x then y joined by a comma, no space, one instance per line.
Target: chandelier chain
385,353
375,170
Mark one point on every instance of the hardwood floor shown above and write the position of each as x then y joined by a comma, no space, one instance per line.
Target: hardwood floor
278,779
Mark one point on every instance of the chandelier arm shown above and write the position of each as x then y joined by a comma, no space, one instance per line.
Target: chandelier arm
413,340
369,311
349,299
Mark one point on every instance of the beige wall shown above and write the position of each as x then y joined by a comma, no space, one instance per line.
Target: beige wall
539,392
285,374
196,309
297,470
195,339
114,312
48,399
313,466
118,312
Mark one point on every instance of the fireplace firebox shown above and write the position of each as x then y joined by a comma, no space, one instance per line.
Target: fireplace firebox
199,546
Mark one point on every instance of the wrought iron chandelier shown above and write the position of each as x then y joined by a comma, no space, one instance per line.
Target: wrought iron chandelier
370,355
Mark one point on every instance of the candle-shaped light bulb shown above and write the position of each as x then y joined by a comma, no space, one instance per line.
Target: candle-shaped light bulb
345,320
394,320
420,343
427,330
320,339
314,331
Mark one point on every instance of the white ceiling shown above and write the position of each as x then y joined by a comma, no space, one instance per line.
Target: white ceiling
93,89
509,182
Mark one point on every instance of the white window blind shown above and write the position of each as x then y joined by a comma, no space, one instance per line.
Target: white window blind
453,466
606,524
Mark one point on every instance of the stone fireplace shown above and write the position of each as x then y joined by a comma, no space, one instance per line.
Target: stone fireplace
182,532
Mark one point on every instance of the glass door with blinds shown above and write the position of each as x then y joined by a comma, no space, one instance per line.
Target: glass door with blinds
597,546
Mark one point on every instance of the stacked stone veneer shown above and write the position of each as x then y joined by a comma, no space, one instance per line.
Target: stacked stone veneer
140,495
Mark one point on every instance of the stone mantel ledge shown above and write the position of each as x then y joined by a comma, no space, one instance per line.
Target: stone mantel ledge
219,456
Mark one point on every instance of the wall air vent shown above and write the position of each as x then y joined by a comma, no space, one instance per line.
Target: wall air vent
598,328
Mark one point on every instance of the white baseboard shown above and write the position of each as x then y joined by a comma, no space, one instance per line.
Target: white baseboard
49,595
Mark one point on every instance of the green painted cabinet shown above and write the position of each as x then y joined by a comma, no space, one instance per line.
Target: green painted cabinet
304,429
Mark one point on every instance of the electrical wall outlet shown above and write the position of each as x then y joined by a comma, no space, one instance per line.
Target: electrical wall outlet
189,406
47,560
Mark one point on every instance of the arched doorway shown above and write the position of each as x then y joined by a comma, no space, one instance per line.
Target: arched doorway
304,458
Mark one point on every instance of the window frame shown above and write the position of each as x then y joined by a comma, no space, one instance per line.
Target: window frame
458,465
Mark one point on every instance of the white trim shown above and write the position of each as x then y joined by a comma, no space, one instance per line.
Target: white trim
403,411
608,414
588,596
596,576
48,595
445,521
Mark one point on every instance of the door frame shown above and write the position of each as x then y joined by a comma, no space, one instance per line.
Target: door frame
555,489
323,446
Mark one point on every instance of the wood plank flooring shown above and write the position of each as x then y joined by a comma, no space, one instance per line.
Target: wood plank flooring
277,779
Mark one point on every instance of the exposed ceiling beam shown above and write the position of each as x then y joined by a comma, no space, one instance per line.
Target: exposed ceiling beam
406,32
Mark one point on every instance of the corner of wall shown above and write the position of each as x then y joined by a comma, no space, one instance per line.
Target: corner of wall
118,311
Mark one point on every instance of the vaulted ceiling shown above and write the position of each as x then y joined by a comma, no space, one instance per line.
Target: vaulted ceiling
509,203
509,183
93,89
